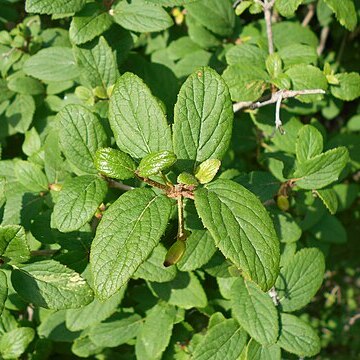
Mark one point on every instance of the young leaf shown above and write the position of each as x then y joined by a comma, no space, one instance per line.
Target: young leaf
309,143
203,118
81,134
345,12
224,340
287,8
136,118
255,351
52,64
3,290
241,228
14,343
207,170
114,164
329,198
54,6
51,285
255,311
128,232
348,88
297,337
13,244
300,279
286,227
321,170
140,16
153,163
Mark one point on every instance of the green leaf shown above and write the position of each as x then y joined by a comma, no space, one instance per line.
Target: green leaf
321,170
307,77
116,332
255,311
329,198
153,270
246,53
185,291
287,8
52,64
3,290
170,2
207,170
14,343
20,112
25,85
309,143
32,142
255,351
155,162
90,22
345,12
300,278
241,228
200,248
140,16
224,340
154,335
217,16
203,118
13,244
330,230
84,347
137,119
348,88
114,163
51,285
78,200
81,134
295,54
53,6
128,232
97,64
31,176
93,313
286,227
246,82
297,337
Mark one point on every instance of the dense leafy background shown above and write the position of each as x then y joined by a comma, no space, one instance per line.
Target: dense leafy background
96,96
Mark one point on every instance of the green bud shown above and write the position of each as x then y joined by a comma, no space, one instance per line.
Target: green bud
207,170
332,79
187,179
282,202
100,92
175,253
114,164
155,162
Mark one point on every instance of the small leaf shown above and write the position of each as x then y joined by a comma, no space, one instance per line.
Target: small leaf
187,179
255,351
129,230
348,88
287,8
153,163
329,198
255,311
345,12
51,285
297,337
3,290
13,244
224,340
31,176
14,343
246,53
300,278
207,170
78,200
114,164
274,65
295,54
241,228
309,143
286,227
54,6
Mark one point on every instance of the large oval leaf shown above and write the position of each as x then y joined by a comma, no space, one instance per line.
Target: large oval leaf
241,228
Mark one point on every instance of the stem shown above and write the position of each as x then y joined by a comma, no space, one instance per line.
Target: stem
152,182
45,252
118,185
268,5
181,230
323,37
310,14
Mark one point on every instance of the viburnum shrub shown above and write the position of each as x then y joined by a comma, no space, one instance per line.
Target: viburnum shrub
179,178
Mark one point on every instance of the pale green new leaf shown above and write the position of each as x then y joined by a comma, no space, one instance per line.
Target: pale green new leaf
255,351
81,134
3,290
300,279
255,311
203,118
321,170
97,64
241,228
52,64
136,118
53,6
155,333
185,291
297,337
348,88
92,21
223,341
31,176
51,285
128,232
345,12
287,8
13,244
140,16
217,16
14,343
309,143
329,198
77,202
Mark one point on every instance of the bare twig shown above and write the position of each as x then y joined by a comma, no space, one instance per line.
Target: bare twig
323,38
310,14
44,252
118,185
285,94
268,5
